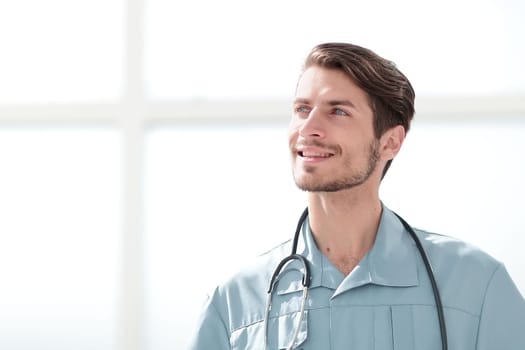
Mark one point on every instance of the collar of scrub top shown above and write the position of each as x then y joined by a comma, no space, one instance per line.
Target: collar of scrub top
392,261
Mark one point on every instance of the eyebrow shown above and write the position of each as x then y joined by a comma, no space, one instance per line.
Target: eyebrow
347,103
302,100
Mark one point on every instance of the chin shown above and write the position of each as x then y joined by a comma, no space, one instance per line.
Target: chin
320,187
311,185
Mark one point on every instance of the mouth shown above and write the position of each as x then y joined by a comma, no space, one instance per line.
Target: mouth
307,154
311,154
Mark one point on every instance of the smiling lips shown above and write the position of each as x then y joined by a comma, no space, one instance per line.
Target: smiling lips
311,154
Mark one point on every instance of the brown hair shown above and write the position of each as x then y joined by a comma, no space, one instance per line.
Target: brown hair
390,92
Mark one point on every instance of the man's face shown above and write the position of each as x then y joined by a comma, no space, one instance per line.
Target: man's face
331,136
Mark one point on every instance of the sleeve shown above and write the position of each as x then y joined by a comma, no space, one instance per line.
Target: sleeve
211,331
502,320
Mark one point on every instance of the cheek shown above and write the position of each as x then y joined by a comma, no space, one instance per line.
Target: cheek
294,124
293,133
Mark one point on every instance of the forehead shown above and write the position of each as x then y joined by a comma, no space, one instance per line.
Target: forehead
318,83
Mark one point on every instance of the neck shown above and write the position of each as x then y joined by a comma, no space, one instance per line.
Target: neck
344,225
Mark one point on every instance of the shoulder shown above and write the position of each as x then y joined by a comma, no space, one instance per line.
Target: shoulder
463,271
453,251
257,270
240,299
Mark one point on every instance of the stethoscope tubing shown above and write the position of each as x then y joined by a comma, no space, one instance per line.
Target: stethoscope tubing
307,278
430,273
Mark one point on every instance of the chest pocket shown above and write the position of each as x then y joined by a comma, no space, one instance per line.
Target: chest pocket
280,332
416,327
402,327
412,327
396,327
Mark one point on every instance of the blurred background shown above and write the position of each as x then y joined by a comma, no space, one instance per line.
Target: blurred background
143,152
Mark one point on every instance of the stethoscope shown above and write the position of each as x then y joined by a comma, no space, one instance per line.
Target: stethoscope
306,283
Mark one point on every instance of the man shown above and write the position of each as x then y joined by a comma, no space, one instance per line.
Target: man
369,288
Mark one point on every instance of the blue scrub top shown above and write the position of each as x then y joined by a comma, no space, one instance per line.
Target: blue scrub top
386,302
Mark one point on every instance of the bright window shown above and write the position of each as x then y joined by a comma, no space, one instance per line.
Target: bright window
243,49
59,234
61,51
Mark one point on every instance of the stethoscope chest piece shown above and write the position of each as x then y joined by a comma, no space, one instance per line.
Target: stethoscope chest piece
273,281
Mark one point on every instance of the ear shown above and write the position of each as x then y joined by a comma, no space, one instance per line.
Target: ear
391,142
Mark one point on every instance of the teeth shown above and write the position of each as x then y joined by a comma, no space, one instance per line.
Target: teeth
313,154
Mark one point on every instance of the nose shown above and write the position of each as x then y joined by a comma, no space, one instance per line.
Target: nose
312,125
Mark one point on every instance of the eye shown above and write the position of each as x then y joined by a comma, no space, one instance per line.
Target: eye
340,112
301,109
